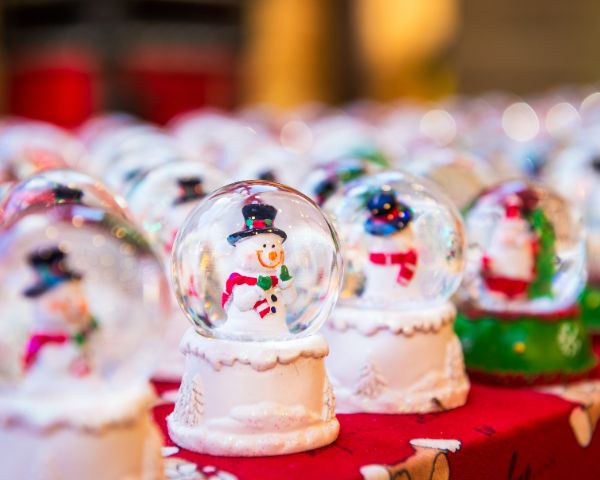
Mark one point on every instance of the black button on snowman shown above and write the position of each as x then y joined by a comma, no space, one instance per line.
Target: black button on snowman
256,294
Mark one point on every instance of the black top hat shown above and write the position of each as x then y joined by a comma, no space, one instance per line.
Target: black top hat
51,270
325,189
386,214
258,218
267,175
190,189
64,194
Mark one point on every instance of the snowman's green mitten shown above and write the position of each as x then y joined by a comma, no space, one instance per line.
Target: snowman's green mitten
264,282
284,274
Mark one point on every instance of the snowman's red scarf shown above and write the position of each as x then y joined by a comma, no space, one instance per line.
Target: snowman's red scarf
262,306
407,261
39,340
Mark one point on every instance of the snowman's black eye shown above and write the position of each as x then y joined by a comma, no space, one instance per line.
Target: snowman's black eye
273,246
264,245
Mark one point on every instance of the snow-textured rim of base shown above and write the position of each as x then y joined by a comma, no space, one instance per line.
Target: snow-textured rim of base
91,413
401,322
450,396
260,356
199,439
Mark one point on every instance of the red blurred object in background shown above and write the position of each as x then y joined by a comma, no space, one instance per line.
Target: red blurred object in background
163,82
54,86
156,83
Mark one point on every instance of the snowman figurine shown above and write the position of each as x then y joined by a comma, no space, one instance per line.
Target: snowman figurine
508,267
57,347
393,258
255,296
190,191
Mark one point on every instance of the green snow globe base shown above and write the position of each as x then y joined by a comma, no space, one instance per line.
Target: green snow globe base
525,349
520,322
589,302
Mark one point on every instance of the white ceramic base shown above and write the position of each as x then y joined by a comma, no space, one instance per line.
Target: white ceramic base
253,398
395,362
128,448
172,363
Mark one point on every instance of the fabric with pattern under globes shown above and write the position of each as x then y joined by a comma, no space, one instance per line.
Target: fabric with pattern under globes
258,218
386,214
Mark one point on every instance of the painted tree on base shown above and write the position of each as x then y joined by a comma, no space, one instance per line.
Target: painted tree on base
371,382
328,402
190,402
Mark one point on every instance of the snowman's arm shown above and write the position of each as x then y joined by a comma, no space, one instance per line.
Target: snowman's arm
288,291
246,296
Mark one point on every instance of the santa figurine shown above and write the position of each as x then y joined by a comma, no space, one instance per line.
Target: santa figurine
62,324
393,258
510,266
256,294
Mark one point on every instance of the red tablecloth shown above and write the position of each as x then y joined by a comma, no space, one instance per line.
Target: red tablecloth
502,433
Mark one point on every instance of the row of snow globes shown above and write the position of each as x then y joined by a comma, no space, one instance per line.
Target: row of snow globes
257,269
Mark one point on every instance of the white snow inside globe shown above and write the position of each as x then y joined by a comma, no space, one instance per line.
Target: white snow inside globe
257,261
402,242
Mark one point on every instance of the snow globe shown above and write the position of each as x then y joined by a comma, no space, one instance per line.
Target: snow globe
273,163
330,176
393,347
213,137
83,301
519,321
575,174
43,190
131,166
257,271
160,203
28,147
461,175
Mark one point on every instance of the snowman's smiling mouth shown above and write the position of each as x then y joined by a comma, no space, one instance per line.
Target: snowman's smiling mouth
264,264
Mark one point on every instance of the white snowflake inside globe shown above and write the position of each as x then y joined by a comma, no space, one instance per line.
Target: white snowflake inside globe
257,261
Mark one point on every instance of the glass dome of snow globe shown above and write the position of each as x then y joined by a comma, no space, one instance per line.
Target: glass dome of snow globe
338,134
104,124
215,138
406,225
84,302
28,147
45,189
331,176
162,200
256,261
462,176
574,171
526,250
273,163
123,155
131,166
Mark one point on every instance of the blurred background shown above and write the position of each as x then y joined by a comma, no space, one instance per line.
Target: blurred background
64,60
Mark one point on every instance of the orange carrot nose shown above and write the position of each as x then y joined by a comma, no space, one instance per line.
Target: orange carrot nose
57,305
272,256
